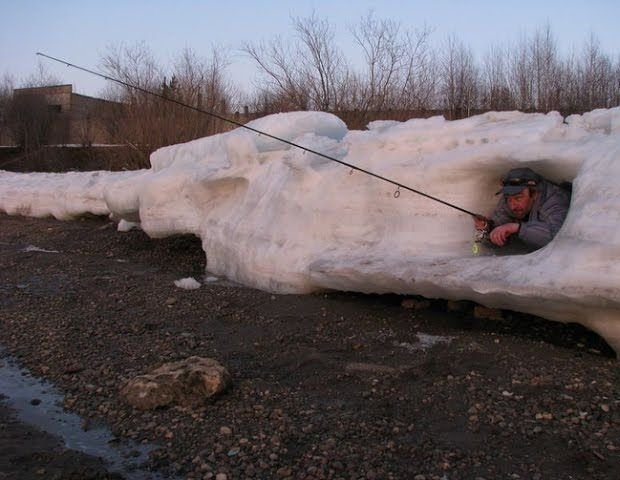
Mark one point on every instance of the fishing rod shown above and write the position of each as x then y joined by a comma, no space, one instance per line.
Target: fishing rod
259,132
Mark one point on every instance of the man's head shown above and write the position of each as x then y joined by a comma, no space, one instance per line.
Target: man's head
520,204
519,188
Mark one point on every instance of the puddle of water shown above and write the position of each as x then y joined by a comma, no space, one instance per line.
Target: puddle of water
46,413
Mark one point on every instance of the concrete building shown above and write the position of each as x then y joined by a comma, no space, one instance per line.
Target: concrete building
74,119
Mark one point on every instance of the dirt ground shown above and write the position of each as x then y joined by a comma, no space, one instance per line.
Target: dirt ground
327,386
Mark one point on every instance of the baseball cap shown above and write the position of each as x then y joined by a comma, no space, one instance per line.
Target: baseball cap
517,179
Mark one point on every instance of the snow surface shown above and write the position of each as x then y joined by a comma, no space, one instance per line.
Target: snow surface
188,283
273,217
32,248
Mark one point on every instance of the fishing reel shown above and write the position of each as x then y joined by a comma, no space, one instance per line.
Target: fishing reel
480,235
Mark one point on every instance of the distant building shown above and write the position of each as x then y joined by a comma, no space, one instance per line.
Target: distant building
75,118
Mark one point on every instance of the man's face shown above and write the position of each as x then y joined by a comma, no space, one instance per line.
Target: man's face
520,204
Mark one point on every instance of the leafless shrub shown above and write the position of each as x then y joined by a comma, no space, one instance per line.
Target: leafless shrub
307,74
458,79
7,84
26,118
42,77
147,122
30,121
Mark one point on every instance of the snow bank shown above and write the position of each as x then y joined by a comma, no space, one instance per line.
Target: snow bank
275,218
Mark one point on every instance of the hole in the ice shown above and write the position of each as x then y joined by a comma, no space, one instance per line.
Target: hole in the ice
528,214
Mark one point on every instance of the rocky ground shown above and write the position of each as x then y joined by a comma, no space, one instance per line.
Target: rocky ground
325,386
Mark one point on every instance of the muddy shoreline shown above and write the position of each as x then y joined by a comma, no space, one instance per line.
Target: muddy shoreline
335,385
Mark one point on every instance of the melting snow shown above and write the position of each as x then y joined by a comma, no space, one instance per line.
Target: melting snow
273,217
188,283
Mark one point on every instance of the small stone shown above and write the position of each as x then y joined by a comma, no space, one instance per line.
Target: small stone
225,431
605,408
284,472
456,306
73,368
481,312
544,416
171,301
221,476
234,451
419,477
35,401
412,303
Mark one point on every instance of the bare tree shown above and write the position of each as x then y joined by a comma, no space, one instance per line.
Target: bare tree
147,122
132,64
495,93
29,120
321,61
597,77
27,115
307,74
282,80
42,77
418,86
616,83
201,83
7,84
385,57
459,79
570,101
544,69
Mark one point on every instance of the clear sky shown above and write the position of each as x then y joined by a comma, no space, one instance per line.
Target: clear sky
80,31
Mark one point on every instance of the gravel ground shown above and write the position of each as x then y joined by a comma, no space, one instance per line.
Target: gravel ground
326,386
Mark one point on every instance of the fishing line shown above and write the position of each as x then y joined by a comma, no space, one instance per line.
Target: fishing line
259,132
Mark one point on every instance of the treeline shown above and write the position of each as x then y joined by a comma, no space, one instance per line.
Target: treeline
402,70
401,74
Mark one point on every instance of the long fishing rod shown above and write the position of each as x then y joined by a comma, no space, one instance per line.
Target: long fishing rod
259,132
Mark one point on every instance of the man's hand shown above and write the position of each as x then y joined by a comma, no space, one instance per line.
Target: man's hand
500,234
480,222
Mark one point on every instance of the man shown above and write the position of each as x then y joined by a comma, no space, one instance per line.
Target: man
531,210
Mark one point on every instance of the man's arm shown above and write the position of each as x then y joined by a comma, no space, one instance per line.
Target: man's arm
538,233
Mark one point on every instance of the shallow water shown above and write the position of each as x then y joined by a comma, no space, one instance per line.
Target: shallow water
38,403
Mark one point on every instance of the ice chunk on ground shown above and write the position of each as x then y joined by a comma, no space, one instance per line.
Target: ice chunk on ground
277,218
188,283
32,248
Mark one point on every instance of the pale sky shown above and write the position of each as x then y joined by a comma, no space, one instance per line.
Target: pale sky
81,31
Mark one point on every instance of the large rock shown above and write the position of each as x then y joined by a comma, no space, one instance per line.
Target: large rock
187,382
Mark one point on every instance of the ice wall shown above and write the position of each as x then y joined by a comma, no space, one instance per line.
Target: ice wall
275,218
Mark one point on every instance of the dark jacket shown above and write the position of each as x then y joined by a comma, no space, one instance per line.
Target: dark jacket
545,218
